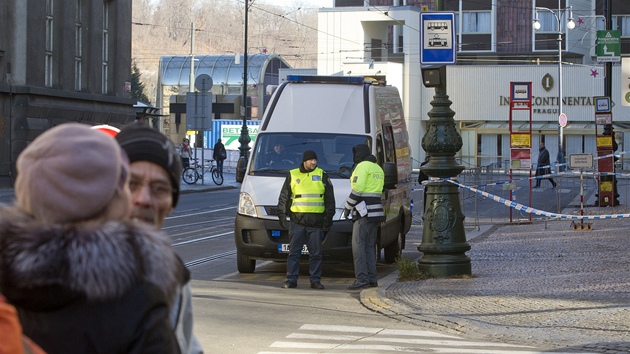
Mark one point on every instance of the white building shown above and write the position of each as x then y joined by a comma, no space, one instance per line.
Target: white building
355,41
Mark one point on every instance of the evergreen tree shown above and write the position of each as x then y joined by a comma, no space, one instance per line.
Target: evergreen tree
137,87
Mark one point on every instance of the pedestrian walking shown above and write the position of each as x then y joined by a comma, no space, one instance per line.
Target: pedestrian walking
421,178
83,276
185,152
307,197
366,209
219,155
155,186
542,167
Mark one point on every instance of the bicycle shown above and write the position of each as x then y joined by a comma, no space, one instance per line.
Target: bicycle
195,172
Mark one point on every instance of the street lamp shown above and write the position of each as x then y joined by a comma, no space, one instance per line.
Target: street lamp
570,25
244,139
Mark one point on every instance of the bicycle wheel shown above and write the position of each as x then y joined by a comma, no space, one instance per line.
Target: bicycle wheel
190,175
217,177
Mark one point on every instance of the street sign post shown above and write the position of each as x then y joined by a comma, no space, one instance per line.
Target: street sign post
608,48
602,104
580,161
562,120
437,38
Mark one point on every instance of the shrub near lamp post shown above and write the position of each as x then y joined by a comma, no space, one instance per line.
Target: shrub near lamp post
570,25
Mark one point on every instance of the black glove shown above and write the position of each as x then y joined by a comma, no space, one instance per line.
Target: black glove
345,213
326,226
283,221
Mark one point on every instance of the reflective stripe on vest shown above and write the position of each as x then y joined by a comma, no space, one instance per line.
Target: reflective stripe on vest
308,191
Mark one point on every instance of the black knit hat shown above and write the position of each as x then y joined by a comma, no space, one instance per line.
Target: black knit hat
143,143
309,155
361,152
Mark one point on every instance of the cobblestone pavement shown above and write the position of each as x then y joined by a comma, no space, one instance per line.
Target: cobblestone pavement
544,284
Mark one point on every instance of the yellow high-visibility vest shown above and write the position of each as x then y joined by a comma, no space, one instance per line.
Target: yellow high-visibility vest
308,191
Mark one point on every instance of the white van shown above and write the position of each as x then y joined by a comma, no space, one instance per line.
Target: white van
329,115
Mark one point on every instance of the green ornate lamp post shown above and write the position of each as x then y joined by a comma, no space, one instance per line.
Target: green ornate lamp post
244,139
444,243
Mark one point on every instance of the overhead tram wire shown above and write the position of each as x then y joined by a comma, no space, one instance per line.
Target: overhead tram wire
284,16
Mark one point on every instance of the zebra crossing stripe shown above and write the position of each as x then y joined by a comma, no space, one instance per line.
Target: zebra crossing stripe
335,339
351,329
379,338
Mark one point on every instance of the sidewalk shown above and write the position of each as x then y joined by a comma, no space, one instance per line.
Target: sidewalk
229,182
544,285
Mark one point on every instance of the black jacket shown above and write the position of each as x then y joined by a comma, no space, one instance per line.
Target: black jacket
218,152
82,288
307,219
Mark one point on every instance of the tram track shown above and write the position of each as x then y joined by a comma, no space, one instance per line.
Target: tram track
211,258
201,239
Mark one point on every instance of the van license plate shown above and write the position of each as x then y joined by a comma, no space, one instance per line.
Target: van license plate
284,248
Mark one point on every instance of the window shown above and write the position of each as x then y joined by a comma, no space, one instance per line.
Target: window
549,22
476,22
622,23
277,153
78,48
48,65
105,65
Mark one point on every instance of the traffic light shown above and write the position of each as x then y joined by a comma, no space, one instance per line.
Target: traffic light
608,130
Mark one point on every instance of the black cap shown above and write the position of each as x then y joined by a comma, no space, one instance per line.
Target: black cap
309,155
143,143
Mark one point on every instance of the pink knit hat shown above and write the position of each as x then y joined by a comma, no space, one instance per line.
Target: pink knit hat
69,173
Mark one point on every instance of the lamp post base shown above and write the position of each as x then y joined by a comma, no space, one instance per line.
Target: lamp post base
444,236
441,266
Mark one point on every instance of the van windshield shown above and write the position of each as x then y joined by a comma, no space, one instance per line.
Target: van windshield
277,153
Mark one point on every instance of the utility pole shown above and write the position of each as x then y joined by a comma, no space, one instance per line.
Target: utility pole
608,65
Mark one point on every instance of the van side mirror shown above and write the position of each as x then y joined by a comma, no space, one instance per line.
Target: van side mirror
391,175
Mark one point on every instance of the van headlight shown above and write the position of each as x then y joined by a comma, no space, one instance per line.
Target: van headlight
246,205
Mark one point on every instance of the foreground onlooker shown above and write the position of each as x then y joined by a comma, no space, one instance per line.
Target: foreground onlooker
155,185
82,276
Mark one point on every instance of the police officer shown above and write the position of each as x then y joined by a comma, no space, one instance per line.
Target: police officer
307,197
364,202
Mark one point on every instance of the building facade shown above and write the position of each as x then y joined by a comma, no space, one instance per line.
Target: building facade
496,44
61,61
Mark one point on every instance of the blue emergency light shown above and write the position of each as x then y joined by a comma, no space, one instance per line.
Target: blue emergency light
326,79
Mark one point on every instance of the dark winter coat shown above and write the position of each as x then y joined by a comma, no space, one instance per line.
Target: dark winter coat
543,162
83,288
218,152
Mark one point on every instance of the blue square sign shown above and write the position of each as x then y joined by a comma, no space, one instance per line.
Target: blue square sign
437,38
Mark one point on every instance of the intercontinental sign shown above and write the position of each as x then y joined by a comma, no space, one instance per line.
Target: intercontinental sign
549,105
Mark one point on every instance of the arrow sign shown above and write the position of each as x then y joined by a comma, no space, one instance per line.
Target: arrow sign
608,48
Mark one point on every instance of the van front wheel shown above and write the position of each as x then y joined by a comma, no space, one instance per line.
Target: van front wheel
394,250
244,263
